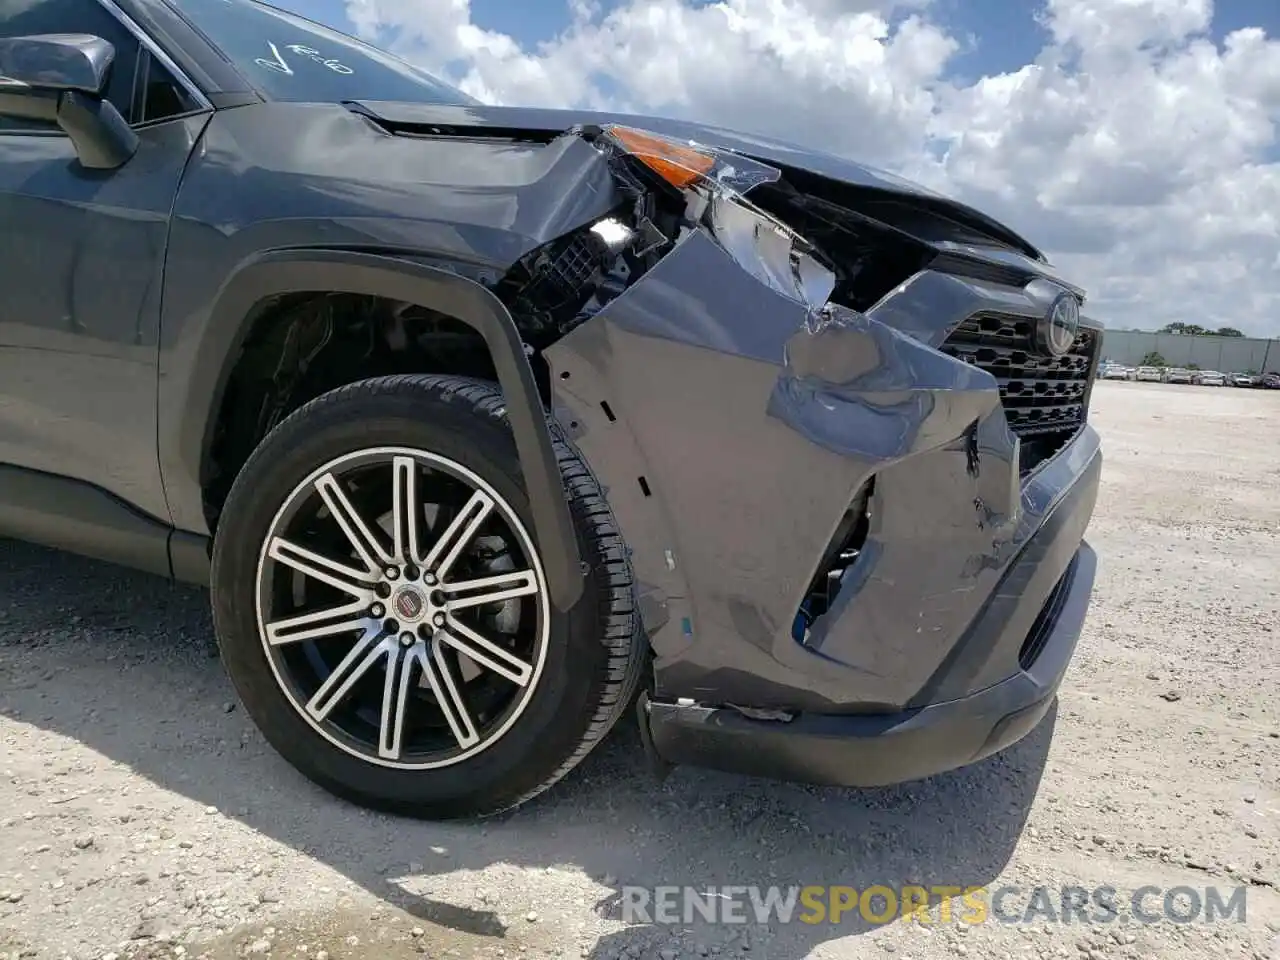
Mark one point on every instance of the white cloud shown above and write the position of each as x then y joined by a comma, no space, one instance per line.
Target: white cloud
1121,26
1139,153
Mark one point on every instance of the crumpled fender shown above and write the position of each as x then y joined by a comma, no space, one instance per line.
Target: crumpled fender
732,428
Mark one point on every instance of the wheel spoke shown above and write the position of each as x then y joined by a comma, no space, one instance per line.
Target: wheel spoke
485,652
445,688
406,511
366,652
368,546
458,534
396,691
322,623
475,593
357,583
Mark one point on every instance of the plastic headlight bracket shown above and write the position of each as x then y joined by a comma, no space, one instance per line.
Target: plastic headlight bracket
761,244
770,251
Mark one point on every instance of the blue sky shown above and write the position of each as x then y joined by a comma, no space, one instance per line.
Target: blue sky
1005,33
1001,34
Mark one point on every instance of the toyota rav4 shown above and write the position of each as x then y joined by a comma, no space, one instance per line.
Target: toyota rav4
487,425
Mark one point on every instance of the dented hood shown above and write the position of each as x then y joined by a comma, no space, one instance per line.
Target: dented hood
530,122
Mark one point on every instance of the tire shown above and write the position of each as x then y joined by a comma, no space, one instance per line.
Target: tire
583,667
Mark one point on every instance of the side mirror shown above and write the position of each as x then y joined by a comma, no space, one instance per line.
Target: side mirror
57,61
60,77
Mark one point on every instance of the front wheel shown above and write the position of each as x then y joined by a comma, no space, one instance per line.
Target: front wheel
382,608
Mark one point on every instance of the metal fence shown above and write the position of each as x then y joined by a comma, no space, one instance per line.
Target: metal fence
1227,354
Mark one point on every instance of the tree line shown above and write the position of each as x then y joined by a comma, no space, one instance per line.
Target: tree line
1195,330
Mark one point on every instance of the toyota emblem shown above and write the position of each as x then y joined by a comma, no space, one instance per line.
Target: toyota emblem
1059,327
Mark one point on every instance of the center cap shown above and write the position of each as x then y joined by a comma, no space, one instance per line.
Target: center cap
410,604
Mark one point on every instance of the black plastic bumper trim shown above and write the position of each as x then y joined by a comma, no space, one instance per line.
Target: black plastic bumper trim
189,556
882,749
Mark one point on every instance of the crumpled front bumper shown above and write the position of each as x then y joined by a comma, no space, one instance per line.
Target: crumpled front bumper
732,431
881,749
1031,621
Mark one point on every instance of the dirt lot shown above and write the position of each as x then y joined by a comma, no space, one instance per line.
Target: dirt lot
143,816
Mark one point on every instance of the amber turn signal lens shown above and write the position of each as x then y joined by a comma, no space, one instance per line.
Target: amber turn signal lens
678,164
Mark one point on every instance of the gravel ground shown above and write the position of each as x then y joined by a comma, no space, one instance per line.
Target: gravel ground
144,817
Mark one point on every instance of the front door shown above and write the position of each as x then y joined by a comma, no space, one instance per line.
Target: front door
81,267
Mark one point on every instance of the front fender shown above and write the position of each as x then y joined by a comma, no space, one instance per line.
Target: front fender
194,378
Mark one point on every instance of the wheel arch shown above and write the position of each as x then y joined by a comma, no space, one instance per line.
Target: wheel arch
276,273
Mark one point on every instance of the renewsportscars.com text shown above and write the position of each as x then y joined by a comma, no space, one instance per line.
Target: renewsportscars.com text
879,904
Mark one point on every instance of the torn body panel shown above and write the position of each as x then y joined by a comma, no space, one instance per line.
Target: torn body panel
321,177
755,423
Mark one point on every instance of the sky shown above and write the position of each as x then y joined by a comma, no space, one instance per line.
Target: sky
1135,141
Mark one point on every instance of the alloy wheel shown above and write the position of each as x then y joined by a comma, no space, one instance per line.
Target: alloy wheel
402,607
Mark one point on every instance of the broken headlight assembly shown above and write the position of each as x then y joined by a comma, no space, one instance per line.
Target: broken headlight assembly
672,188
713,182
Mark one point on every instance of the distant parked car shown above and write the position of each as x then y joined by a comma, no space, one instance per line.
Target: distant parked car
1115,371
1271,381
1178,375
1209,378
1241,380
1149,374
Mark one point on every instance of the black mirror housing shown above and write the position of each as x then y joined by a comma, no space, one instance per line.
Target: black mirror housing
55,62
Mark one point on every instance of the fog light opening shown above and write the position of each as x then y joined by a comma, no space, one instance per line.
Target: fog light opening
841,554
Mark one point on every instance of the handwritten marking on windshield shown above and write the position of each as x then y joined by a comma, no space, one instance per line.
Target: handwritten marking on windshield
315,55
279,64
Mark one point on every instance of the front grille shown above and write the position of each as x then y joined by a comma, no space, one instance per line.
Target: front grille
1045,398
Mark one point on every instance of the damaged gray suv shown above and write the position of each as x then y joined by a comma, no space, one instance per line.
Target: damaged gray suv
488,425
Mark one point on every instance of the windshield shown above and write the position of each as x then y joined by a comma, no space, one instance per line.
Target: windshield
290,58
